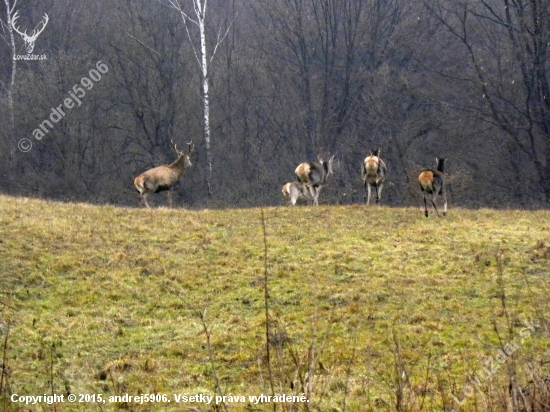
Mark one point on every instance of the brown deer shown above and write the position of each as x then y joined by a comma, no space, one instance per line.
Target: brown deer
373,171
163,177
432,182
315,174
294,191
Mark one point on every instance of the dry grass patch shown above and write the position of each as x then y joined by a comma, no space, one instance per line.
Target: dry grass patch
400,310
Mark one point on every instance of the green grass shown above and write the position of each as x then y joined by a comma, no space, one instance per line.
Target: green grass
108,300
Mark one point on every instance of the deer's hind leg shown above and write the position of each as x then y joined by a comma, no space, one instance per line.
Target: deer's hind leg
169,195
433,199
425,204
144,198
379,192
444,193
369,192
314,193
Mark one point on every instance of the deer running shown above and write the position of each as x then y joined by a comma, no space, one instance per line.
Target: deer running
432,182
373,171
294,191
314,175
163,177
30,40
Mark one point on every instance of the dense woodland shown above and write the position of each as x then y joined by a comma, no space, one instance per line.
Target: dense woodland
288,79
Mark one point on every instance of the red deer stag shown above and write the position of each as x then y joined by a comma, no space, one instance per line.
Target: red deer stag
432,182
163,177
373,171
294,191
315,174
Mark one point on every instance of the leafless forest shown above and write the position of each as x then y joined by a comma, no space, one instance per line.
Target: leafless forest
287,79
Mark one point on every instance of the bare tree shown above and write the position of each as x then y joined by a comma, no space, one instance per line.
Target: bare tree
285,81
10,40
506,44
204,60
7,26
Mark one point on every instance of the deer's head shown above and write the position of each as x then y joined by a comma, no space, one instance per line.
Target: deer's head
184,155
328,163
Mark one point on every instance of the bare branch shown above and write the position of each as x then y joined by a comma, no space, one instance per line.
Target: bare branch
143,44
220,40
185,18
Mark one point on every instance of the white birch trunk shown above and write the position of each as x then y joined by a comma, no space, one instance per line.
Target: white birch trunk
200,10
9,13
203,60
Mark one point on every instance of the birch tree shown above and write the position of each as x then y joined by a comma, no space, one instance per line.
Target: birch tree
204,60
10,40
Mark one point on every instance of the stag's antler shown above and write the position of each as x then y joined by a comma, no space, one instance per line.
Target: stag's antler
13,20
175,146
44,21
190,147
35,32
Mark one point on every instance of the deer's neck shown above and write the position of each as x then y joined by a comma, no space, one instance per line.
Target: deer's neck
179,164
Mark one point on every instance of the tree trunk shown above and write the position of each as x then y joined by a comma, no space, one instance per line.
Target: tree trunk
11,133
206,98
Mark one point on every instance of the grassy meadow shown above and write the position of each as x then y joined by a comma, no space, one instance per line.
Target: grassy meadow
369,308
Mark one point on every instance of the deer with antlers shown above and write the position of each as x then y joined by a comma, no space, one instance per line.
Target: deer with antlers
162,178
30,40
315,175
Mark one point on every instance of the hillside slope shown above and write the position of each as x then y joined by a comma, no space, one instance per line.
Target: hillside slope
370,308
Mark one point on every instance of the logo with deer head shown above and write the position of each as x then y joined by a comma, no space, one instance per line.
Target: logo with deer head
30,39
